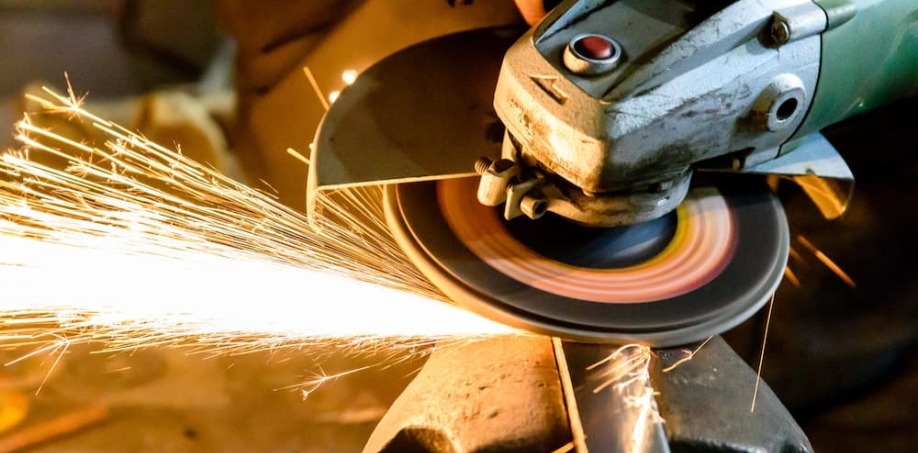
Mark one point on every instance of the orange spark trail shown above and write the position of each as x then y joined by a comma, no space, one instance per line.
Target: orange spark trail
791,276
132,243
627,370
758,373
827,261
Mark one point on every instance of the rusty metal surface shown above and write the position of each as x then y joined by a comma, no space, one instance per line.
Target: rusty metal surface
706,404
506,394
501,394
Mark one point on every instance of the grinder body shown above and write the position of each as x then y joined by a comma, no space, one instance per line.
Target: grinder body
601,115
612,138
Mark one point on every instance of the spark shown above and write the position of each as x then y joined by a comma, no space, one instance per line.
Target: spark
627,370
315,87
319,379
296,155
791,276
578,436
349,76
333,96
135,245
58,347
827,261
570,446
758,373
689,355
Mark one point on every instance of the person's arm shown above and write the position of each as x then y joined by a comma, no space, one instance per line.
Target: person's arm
534,10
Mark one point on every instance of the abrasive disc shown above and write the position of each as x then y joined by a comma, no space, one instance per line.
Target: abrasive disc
691,274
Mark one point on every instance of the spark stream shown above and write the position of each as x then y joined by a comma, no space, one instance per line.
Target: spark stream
133,243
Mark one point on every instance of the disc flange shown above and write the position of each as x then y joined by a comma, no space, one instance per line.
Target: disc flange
679,279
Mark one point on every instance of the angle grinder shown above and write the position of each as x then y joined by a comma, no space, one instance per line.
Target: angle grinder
588,218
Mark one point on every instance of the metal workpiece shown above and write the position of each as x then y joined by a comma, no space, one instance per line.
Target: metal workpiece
604,416
493,394
536,394
691,84
706,404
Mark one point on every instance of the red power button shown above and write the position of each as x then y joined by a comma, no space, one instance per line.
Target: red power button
594,47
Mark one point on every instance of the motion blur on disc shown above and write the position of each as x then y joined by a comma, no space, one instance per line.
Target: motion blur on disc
683,277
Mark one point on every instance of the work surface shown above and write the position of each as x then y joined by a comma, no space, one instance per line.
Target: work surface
165,400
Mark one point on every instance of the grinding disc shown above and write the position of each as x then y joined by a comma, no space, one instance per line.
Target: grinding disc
689,275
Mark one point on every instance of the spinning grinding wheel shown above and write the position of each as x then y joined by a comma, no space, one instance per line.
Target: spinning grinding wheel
681,278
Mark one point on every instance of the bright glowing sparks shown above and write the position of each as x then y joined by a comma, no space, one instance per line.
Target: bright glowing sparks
822,257
191,293
134,244
349,76
791,276
315,86
627,370
689,354
758,373
333,96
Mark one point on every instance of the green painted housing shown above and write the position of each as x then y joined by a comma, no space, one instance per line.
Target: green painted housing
868,60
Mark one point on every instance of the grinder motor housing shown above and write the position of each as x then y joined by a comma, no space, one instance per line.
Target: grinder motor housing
610,106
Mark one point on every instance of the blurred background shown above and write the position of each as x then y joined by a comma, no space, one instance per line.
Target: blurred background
224,79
